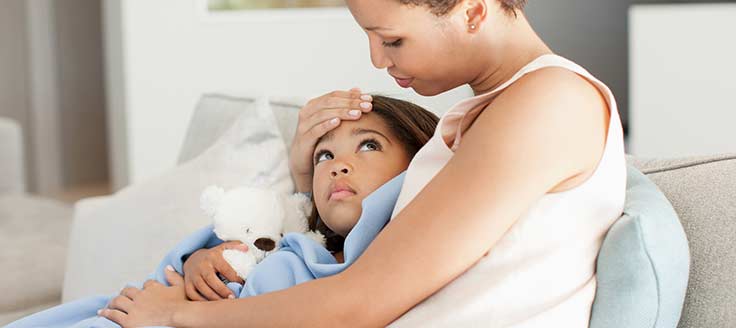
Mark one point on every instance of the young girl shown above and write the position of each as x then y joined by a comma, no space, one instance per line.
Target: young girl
350,163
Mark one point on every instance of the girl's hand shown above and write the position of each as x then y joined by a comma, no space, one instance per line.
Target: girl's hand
317,117
155,305
201,282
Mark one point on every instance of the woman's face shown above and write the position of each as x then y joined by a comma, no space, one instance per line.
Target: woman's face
352,161
427,53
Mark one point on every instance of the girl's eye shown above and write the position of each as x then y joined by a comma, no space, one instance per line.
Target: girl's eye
370,145
322,155
392,44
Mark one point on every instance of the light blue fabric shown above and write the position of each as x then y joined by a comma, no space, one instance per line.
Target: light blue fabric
300,259
643,264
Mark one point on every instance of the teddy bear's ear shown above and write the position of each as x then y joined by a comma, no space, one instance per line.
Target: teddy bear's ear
296,210
301,203
210,200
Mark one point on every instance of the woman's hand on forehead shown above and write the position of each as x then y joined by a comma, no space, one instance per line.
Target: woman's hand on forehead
319,116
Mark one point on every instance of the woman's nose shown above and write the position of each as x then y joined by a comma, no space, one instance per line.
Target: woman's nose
378,55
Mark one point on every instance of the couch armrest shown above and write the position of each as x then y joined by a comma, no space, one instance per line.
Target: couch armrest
12,179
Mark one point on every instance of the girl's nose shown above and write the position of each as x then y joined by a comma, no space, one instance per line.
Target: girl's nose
340,169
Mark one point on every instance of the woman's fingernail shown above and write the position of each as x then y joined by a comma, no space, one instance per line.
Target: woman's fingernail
334,121
99,311
354,112
170,268
366,97
366,105
230,296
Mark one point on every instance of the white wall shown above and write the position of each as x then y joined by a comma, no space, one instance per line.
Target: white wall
166,53
683,79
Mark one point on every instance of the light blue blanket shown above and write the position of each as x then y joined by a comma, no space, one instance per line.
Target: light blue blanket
300,259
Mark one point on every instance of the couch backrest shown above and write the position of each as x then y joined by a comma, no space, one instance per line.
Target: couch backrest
215,113
703,192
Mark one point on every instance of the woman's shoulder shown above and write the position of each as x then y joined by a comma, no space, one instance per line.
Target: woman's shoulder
562,105
558,86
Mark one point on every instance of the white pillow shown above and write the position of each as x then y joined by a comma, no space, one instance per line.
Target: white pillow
121,238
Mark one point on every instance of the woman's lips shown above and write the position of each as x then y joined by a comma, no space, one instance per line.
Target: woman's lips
404,83
342,194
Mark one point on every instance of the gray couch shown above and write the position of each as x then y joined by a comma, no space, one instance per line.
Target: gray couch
33,236
702,190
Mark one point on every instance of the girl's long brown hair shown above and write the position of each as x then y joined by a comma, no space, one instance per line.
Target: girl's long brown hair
411,124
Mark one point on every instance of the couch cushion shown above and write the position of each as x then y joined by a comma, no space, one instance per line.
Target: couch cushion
643,263
40,225
703,193
213,115
121,238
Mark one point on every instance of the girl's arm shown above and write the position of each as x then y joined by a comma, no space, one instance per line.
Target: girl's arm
517,150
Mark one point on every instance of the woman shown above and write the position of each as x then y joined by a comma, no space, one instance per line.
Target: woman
500,230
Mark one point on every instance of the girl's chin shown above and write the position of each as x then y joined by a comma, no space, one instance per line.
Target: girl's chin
342,219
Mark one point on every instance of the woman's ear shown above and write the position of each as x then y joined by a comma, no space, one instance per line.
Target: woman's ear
475,14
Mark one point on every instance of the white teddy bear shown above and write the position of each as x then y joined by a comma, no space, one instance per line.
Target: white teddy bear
257,217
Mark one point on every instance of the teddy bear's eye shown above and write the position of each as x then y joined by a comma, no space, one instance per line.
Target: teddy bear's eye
282,235
247,230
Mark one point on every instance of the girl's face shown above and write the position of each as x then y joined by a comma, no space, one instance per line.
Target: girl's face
352,161
427,53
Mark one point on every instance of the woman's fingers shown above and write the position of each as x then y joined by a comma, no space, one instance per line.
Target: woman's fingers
205,289
328,114
121,303
173,277
114,315
217,285
130,292
335,99
150,283
319,130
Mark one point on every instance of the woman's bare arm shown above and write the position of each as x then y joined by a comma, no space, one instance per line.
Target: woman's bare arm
517,150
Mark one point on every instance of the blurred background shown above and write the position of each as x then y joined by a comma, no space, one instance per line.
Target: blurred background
103,90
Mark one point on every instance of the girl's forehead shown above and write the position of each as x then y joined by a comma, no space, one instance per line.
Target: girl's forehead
346,129
367,121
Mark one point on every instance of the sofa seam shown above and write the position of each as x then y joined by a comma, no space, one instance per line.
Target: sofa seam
687,165
651,264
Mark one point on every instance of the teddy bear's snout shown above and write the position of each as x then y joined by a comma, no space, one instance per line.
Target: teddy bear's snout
265,244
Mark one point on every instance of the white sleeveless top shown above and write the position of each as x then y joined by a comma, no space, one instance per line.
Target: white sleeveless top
542,271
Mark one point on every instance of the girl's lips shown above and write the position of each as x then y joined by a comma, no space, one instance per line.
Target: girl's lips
404,83
338,195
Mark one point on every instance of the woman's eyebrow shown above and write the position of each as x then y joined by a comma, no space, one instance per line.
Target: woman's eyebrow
359,131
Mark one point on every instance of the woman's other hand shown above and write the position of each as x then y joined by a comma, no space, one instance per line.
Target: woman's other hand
153,305
201,282
319,116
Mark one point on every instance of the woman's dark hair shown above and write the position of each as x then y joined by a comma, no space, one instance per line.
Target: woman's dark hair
411,124
442,7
